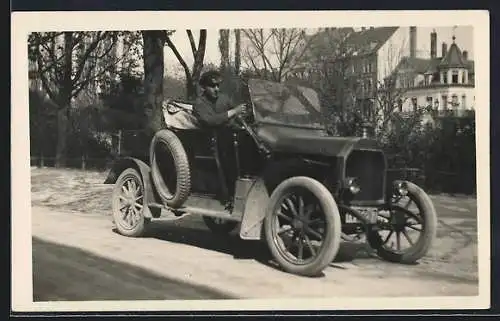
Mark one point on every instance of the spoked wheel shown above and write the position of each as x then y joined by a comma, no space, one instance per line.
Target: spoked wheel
128,204
302,226
219,225
405,232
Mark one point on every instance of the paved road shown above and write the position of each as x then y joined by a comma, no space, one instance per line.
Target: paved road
62,273
77,256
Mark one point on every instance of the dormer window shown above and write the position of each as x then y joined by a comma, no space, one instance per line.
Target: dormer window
454,77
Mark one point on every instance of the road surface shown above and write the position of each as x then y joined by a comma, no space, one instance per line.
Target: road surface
77,256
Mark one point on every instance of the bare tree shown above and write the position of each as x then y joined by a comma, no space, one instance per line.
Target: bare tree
348,81
274,53
193,75
66,65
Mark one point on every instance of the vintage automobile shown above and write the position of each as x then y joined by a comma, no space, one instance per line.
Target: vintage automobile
276,175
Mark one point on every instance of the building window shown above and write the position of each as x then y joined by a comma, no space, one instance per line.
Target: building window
445,77
445,102
429,101
400,105
464,102
463,77
454,77
414,103
435,77
436,104
454,101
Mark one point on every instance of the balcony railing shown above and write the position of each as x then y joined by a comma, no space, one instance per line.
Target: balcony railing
439,85
453,113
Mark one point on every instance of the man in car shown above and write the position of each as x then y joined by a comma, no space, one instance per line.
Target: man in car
215,111
212,108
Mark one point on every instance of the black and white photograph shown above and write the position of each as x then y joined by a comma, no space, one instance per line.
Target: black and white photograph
250,160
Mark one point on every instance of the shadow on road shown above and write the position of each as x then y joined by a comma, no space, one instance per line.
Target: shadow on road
184,232
187,233
63,273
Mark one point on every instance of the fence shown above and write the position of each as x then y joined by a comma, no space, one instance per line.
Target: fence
83,163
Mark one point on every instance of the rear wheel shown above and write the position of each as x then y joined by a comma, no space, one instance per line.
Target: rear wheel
406,232
302,226
128,204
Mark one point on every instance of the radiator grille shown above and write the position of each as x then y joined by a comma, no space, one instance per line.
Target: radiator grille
369,168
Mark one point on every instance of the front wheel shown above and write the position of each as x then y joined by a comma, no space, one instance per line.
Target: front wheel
302,226
128,204
405,232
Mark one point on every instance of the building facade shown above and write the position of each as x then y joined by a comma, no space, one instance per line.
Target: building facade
440,83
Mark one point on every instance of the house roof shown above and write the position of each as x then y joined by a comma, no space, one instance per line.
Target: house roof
420,65
453,57
322,43
371,39
432,65
359,42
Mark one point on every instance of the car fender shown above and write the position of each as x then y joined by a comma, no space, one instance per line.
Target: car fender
129,162
254,211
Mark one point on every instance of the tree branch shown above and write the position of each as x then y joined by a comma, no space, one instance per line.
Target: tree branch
93,45
171,45
200,53
191,42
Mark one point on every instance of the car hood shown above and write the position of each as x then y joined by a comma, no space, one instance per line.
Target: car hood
309,141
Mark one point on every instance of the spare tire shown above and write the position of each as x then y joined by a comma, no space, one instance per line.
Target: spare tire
170,170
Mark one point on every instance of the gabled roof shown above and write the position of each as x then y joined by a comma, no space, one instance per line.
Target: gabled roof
322,42
370,40
453,58
432,65
420,65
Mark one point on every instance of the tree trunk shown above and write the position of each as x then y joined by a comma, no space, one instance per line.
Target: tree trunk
224,48
62,135
191,88
64,101
237,51
154,42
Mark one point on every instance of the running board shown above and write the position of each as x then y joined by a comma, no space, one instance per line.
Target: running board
198,205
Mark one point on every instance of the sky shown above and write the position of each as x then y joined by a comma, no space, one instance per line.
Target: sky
464,39
463,34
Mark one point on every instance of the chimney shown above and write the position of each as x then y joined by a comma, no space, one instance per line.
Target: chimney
444,49
465,55
413,42
433,44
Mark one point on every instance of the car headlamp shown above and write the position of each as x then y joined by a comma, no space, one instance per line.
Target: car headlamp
352,184
401,188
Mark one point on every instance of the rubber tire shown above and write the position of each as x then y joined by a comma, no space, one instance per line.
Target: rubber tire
181,163
333,221
420,249
221,229
141,228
